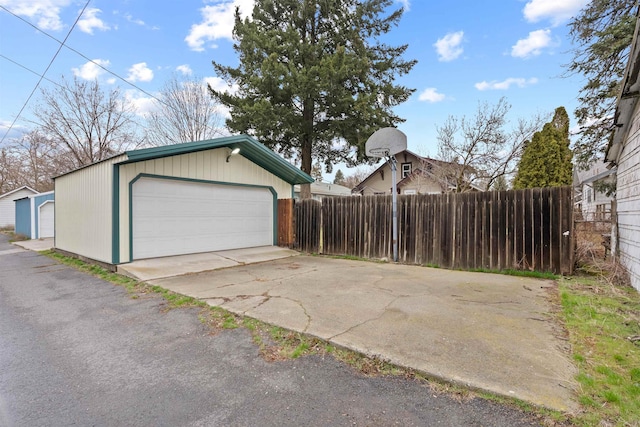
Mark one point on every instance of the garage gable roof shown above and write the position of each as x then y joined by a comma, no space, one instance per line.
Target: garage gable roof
249,148
24,187
627,99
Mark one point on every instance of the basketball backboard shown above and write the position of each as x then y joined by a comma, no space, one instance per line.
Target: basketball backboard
386,142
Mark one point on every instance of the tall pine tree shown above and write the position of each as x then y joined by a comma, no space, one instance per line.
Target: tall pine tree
314,80
546,159
601,33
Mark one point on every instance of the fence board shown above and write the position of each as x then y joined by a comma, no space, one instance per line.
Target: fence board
523,229
286,235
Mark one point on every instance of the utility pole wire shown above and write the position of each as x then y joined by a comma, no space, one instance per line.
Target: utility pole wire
30,70
45,71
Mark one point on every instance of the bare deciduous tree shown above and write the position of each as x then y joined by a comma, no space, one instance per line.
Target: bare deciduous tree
87,123
357,177
9,171
186,112
434,176
484,147
39,160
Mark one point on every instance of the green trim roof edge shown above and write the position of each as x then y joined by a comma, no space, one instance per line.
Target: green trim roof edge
250,148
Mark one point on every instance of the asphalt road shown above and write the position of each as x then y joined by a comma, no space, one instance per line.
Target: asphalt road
75,350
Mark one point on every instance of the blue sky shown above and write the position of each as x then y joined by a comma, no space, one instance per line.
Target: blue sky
467,51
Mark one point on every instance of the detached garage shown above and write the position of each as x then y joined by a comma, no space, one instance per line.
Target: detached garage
35,215
7,205
187,198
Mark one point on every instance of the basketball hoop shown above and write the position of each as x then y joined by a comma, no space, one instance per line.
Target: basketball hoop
387,142
378,152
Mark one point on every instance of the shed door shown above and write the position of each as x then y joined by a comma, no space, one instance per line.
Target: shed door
46,220
174,217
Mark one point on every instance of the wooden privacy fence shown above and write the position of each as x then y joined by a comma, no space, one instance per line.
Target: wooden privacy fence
522,229
286,236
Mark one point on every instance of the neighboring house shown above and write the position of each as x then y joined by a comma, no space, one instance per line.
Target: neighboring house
414,175
624,151
7,205
173,200
35,215
320,190
589,201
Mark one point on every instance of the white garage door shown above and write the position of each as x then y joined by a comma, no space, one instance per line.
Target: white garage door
172,217
46,220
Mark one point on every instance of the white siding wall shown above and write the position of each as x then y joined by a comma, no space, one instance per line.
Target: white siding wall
83,211
8,207
377,184
210,165
628,196
423,185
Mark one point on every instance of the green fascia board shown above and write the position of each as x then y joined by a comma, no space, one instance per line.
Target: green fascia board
250,148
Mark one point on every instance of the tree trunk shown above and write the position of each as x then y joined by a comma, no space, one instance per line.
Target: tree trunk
307,143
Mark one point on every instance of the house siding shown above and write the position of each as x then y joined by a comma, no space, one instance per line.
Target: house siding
84,210
379,183
209,165
8,208
422,185
628,201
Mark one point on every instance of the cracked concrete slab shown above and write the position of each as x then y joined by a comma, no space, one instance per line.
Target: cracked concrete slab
276,309
491,332
158,268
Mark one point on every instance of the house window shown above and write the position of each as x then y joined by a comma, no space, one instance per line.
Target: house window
587,192
406,169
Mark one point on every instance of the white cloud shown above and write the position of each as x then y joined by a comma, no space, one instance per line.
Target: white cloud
431,94
133,20
90,21
184,69
91,70
46,13
406,4
505,84
448,47
220,85
143,105
217,22
557,11
140,73
17,131
532,45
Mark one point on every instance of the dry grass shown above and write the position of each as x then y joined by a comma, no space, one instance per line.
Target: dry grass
593,258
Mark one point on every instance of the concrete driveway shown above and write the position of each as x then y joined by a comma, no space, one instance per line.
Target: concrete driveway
78,351
157,268
485,331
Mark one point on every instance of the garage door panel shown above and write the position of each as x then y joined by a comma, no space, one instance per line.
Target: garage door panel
46,220
172,217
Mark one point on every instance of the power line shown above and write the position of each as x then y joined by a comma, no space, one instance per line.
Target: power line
31,71
62,43
51,81
45,71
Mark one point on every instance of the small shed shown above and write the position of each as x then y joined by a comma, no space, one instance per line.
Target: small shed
7,205
178,199
35,215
